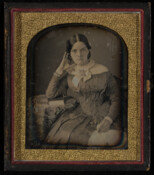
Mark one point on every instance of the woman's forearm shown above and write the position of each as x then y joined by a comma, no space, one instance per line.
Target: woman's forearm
114,110
52,89
115,98
57,86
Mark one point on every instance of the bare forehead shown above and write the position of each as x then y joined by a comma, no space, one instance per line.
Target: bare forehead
79,45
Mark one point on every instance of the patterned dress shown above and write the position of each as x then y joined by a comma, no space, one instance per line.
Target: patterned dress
96,98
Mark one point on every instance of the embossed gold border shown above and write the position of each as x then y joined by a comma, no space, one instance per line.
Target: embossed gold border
27,24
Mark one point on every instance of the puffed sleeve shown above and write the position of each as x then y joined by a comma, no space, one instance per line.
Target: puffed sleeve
57,86
113,92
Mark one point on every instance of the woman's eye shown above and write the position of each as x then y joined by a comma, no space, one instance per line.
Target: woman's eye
83,50
74,50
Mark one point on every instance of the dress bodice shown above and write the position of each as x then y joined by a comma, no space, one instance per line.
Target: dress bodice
94,84
93,94
98,96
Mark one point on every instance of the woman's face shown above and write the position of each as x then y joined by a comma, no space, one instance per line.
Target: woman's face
79,53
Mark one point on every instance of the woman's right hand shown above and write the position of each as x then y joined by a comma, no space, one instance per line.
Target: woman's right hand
63,65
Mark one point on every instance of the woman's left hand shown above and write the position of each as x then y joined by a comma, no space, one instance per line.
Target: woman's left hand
104,125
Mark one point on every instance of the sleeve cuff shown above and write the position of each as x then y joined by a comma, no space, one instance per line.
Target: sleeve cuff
57,74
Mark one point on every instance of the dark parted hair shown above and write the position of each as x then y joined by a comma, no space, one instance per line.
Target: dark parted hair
75,38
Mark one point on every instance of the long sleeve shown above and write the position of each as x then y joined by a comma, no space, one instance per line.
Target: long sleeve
113,92
57,86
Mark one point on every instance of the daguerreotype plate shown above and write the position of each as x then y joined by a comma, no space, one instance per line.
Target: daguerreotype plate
77,89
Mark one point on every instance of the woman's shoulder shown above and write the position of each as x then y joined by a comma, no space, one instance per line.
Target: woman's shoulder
98,69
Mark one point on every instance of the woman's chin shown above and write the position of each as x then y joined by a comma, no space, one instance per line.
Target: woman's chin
81,63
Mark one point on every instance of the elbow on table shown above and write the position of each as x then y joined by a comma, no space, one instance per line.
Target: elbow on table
49,94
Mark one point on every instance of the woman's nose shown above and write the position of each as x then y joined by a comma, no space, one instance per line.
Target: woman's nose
79,53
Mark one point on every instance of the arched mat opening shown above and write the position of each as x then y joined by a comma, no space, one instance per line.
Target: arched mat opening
44,54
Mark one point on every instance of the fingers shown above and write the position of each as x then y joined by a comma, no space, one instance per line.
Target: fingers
64,63
103,126
99,125
65,57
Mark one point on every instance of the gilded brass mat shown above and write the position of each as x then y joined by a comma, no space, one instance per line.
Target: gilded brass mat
26,25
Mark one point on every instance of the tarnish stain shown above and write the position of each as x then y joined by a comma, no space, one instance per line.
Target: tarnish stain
6,81
6,36
148,86
5,47
6,146
6,143
6,31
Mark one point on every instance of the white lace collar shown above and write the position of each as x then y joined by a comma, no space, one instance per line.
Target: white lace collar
73,69
81,72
